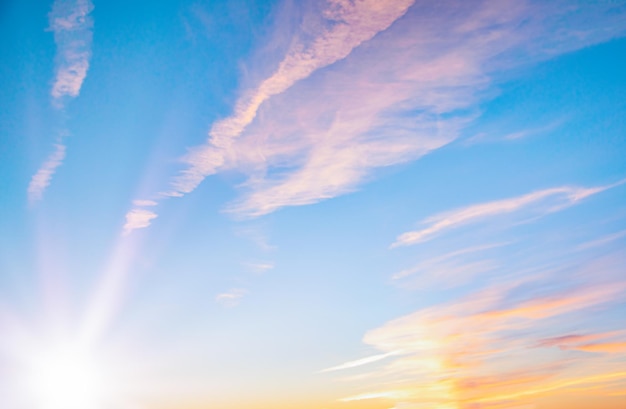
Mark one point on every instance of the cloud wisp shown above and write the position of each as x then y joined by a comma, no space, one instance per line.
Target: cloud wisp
372,84
360,362
537,203
231,298
259,267
72,26
451,269
42,178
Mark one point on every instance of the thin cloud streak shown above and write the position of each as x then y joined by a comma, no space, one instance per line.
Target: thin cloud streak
569,341
41,180
360,362
72,26
259,267
231,298
561,197
603,347
144,202
451,269
602,241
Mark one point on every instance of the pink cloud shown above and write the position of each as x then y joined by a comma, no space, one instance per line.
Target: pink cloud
539,202
373,85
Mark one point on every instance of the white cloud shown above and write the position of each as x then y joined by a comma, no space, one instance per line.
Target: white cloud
143,203
41,179
540,202
231,298
260,267
138,219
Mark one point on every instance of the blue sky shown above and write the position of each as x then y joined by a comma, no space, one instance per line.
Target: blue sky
326,204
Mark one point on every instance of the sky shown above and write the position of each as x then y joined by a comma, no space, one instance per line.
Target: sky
324,204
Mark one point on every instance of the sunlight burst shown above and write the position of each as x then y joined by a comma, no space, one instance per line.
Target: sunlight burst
65,377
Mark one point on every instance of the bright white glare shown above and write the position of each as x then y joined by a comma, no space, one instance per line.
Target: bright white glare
65,377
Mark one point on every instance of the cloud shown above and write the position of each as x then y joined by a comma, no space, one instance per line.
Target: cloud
539,202
373,84
138,219
259,268
346,25
449,270
72,26
41,180
447,349
231,298
489,348
257,235
588,342
360,362
545,307
565,341
516,135
603,347
602,241
143,203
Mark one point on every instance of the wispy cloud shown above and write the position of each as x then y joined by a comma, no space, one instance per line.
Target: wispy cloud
588,342
138,219
534,131
538,203
371,84
449,270
360,362
40,181
602,241
603,347
259,267
258,235
232,297
142,203
72,26
519,134
345,26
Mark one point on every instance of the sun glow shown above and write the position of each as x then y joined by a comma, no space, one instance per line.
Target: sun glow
65,377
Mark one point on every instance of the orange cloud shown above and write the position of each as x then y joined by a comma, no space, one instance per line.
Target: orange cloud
478,352
545,307
606,347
